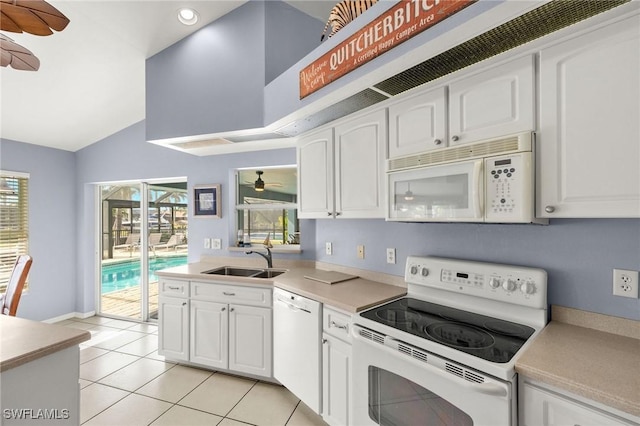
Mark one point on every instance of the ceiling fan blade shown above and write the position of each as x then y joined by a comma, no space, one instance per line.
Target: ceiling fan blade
16,56
32,16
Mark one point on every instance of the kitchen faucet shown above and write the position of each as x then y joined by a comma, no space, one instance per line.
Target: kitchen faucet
268,257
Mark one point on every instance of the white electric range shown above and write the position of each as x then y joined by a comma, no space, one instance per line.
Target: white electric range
445,354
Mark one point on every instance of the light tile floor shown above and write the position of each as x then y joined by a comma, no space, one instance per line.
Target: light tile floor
125,382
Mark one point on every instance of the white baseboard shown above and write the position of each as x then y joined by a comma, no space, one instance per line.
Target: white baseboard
69,316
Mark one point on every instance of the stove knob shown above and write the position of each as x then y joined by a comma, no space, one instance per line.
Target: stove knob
509,285
528,288
413,270
494,282
424,272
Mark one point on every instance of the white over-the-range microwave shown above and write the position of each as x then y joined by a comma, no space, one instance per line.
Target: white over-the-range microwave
491,181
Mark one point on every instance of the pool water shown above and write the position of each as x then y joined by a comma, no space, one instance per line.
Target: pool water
120,276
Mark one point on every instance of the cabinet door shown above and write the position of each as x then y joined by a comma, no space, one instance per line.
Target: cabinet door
360,146
209,334
589,147
173,328
493,103
315,175
336,380
418,123
250,343
546,408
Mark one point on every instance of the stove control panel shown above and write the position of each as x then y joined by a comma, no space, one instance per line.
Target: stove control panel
507,283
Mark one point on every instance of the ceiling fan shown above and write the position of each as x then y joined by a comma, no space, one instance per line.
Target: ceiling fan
35,17
259,184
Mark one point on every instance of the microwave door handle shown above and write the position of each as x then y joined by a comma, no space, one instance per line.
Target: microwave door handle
477,177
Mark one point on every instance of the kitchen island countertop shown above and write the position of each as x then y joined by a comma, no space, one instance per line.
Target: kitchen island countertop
23,341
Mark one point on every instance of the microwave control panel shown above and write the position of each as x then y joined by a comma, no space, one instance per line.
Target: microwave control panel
509,188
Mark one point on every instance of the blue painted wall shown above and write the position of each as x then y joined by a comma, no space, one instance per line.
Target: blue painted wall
213,80
52,226
289,36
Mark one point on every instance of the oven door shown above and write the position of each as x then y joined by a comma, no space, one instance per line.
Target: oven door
450,192
398,384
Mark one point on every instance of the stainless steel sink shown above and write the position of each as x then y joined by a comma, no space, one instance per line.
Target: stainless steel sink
235,271
269,273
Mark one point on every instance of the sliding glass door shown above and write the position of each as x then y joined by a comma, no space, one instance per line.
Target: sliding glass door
144,229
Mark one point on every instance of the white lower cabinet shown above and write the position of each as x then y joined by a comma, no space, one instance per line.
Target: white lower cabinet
209,334
173,325
250,341
540,406
218,334
336,367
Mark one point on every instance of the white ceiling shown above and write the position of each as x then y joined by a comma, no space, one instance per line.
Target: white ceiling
91,78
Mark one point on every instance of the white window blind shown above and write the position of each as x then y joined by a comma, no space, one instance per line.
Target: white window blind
14,221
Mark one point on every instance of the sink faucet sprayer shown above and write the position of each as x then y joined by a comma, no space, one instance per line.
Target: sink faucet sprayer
268,257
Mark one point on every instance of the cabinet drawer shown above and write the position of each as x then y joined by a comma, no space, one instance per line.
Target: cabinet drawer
174,288
231,294
336,323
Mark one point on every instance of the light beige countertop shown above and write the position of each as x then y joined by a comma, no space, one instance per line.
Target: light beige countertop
22,340
592,355
352,296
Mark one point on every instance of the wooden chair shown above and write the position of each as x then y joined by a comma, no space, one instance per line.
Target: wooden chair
10,299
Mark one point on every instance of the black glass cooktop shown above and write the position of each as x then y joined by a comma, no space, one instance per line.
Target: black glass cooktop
485,337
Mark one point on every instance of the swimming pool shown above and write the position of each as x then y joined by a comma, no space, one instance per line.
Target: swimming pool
119,276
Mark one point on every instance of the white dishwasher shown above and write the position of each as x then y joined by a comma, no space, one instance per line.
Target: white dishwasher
297,333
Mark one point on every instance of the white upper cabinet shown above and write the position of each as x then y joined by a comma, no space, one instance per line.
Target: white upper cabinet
493,103
315,175
418,123
344,176
589,139
496,102
360,146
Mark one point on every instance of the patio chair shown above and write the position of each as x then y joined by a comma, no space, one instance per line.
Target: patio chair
10,299
154,240
133,240
173,242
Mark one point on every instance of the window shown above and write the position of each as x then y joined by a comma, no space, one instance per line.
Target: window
266,205
14,221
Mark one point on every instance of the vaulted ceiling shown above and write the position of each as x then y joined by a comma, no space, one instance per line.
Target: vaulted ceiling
91,79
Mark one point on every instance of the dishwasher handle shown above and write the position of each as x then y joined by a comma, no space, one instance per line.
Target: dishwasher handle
292,306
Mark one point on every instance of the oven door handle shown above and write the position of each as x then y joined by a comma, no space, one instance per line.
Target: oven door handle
488,387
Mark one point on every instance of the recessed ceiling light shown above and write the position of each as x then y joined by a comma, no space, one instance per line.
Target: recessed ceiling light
187,16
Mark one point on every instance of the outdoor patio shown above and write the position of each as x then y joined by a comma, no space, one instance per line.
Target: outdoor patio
126,303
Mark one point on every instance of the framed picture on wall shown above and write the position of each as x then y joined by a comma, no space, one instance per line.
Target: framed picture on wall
206,201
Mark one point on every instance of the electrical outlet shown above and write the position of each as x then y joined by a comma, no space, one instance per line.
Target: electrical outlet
216,243
625,283
328,248
391,255
360,252
207,243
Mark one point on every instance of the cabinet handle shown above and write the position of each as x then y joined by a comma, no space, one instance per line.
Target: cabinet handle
232,309
324,341
455,138
173,288
329,214
437,142
338,213
223,309
549,209
228,294
184,303
336,325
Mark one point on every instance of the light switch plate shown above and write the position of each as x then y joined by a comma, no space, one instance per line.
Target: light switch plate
216,243
207,243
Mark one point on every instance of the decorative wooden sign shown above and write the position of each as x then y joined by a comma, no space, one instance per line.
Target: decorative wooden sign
395,26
